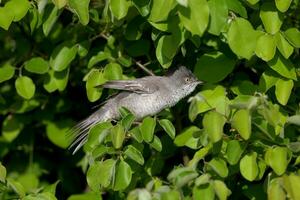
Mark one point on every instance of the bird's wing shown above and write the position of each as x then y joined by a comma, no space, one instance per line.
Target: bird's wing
137,86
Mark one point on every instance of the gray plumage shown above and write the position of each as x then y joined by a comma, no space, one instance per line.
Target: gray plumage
143,97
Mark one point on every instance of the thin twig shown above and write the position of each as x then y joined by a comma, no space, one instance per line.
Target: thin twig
144,68
100,35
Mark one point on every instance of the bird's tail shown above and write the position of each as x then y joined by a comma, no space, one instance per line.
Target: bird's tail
79,133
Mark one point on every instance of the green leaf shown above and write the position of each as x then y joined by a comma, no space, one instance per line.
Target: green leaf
265,47
203,179
140,194
275,190
195,17
243,87
185,135
51,188
171,195
157,6
86,196
208,64
25,87
156,143
168,127
51,17
37,65
7,71
133,30
136,134
57,132
43,195
127,121
252,2
182,176
283,5
105,170
35,22
293,36
283,89
239,34
167,46
56,80
234,151
113,71
119,8
29,181
200,154
95,78
278,159
213,123
11,128
60,3
123,176
83,48
97,134
241,121
270,17
292,185
295,119
237,7
143,6
147,128
204,192
219,166
18,8
134,154
283,45
17,187
218,11
221,190
283,66
248,166
117,136
6,17
262,168
267,80
2,173
211,97
62,56
101,56
81,9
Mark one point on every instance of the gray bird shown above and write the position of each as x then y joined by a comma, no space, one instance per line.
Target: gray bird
142,96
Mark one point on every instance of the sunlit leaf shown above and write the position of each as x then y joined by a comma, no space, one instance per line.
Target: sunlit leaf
239,35
147,128
213,123
195,17
25,87
123,176
248,166
6,72
81,9
270,17
168,127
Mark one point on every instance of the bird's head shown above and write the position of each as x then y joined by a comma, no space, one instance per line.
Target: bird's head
184,80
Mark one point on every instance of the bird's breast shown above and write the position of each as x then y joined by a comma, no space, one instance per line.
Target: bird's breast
144,104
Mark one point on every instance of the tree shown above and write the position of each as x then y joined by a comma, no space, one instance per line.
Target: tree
238,139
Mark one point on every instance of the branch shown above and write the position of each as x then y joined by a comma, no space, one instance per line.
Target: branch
143,67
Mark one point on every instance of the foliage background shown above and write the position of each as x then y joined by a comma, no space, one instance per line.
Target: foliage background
239,138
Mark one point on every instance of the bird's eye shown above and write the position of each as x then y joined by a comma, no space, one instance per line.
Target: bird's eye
187,79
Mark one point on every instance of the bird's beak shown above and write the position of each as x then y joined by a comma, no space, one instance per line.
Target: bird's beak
199,82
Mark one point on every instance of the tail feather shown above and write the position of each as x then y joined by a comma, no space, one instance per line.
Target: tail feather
79,133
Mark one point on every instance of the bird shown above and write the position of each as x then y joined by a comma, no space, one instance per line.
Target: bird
143,97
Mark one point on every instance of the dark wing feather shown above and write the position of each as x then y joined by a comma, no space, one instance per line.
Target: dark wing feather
137,86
